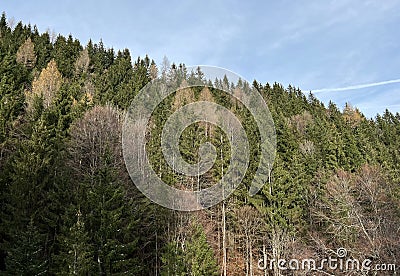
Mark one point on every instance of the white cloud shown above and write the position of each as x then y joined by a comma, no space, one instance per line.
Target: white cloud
358,86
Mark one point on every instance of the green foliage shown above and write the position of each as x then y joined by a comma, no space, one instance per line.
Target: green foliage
65,53
199,255
195,257
26,256
76,256
71,208
173,259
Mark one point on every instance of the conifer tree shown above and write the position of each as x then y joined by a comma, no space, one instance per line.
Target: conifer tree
26,255
108,214
43,48
199,255
65,53
76,251
173,260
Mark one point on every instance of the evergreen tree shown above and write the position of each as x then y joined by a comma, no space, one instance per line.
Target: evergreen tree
65,52
76,251
199,255
173,260
68,205
26,255
107,213
194,258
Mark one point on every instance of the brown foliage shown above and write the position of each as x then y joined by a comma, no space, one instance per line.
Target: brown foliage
153,71
248,227
82,62
26,54
183,96
307,147
96,142
301,121
358,213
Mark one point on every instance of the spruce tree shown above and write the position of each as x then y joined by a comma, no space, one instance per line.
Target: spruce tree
199,255
26,255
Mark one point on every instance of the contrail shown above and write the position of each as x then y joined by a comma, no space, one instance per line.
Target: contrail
358,86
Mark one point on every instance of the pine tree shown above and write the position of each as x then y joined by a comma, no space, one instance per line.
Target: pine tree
36,190
117,86
43,48
65,53
194,257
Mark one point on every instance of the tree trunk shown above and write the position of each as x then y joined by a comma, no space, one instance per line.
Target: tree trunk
224,257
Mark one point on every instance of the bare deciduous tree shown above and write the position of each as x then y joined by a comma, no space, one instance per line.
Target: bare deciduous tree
248,224
356,212
96,142
82,62
26,54
301,121
307,147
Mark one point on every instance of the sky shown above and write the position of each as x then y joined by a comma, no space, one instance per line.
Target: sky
344,51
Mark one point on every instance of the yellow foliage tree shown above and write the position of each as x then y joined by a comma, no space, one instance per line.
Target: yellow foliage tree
352,115
48,83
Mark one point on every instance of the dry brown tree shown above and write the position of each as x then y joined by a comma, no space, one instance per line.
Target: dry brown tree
26,54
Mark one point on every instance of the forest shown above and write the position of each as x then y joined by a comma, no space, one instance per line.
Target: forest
69,206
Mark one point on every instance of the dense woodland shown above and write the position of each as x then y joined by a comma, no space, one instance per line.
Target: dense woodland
68,205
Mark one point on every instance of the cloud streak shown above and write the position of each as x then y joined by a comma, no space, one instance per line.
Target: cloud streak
358,86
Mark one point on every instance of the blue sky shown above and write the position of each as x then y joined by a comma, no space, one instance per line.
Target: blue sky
313,45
